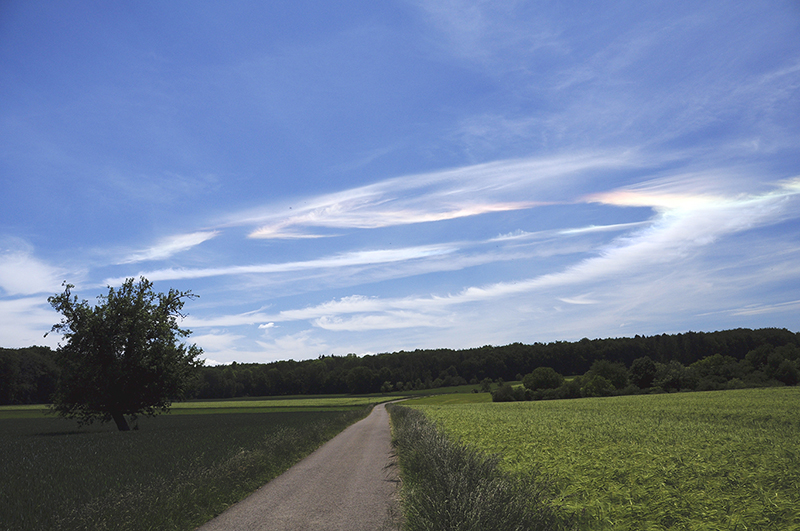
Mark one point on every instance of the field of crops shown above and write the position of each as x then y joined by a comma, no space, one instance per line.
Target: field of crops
702,461
175,472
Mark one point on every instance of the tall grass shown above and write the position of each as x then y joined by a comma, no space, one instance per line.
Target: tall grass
449,486
176,472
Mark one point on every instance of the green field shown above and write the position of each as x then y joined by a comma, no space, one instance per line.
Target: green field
249,405
725,460
175,472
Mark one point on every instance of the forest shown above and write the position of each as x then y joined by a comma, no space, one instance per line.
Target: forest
685,361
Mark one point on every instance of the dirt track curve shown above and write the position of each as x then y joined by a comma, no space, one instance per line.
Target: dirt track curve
346,485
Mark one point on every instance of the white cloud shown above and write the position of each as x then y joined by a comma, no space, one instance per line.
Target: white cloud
215,340
500,186
685,224
25,321
383,321
582,299
23,274
302,345
170,246
758,309
356,258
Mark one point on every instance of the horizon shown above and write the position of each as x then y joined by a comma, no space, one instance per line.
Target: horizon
368,179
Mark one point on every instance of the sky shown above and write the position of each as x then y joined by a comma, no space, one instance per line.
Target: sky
367,177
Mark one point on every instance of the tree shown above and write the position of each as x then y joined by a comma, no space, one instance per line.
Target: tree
542,378
123,356
360,380
596,385
614,372
642,372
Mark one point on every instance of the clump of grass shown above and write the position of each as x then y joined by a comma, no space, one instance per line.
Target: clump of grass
176,472
449,486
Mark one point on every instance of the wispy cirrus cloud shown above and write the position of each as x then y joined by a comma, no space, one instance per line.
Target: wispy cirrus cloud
21,273
350,259
170,246
451,194
25,321
683,226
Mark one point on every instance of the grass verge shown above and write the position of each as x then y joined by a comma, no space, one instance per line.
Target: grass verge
449,486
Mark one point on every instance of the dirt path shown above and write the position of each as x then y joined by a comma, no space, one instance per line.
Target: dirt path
345,485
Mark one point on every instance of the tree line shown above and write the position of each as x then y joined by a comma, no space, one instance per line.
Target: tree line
765,365
692,360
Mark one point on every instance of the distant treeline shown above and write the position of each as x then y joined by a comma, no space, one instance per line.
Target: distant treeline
30,375
763,366
27,375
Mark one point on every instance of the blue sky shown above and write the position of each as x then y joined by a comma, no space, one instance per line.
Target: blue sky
375,176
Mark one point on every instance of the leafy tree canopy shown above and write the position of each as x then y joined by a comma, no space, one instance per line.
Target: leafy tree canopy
123,356
542,378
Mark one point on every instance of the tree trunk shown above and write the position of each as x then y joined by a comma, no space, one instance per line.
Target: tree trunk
119,419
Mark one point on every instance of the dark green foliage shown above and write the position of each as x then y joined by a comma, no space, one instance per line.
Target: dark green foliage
673,376
449,486
360,380
508,393
596,385
614,372
786,372
123,356
426,369
642,372
542,378
177,472
27,375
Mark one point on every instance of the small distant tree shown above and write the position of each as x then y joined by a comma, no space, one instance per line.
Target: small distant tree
123,356
642,372
614,372
507,393
542,378
596,385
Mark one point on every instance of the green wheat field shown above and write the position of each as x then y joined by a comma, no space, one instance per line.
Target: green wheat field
724,460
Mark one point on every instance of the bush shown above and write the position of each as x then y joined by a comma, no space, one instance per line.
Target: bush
787,372
595,385
614,372
507,393
542,378
642,372
449,486
673,376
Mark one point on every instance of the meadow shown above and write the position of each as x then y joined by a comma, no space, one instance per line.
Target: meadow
175,472
721,460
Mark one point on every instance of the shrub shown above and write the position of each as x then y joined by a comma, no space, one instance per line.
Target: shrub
542,378
787,372
507,393
642,372
595,385
614,372
673,376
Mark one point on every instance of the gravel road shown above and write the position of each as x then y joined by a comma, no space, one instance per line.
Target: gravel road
346,485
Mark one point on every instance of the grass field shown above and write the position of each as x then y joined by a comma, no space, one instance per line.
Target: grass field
175,472
448,486
725,460
246,405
